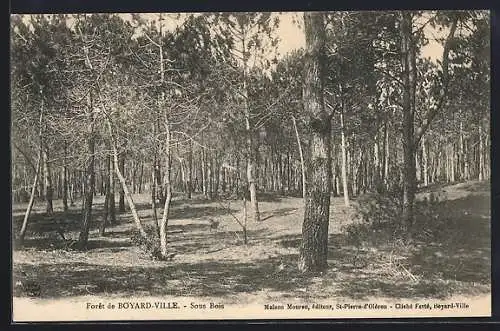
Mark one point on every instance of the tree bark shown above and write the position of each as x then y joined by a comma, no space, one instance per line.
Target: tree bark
314,248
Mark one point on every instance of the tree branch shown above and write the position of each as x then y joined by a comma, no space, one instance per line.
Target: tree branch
444,89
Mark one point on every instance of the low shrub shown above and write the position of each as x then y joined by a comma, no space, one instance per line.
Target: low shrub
380,219
151,244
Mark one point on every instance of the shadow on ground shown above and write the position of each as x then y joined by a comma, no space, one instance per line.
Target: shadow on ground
179,279
455,262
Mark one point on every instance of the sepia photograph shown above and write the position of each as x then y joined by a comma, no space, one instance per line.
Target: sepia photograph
250,165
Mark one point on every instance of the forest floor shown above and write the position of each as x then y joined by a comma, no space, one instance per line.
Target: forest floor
215,264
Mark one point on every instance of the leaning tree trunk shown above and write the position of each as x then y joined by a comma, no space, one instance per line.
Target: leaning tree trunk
123,182
24,226
314,249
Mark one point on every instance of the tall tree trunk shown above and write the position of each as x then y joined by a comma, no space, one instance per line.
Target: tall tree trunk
121,165
168,163
408,61
453,163
203,172
141,174
344,158
89,184
153,199
111,202
249,140
65,181
301,154
386,153
425,163
481,152
245,237
106,177
190,171
168,198
466,161
47,181
461,154
314,248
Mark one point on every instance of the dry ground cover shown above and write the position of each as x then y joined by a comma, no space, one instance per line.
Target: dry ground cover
216,264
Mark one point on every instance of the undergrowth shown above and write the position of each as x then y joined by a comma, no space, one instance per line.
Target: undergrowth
379,220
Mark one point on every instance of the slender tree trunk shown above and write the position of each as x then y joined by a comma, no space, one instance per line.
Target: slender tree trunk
168,163
408,60
245,237
481,152
453,163
190,171
90,185
344,159
153,199
48,189
65,181
386,155
24,226
134,181
121,201
166,209
375,170
111,202
203,172
106,179
301,154
425,163
466,161
249,140
314,249
123,182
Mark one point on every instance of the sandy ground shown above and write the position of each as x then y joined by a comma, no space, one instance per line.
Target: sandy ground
215,267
